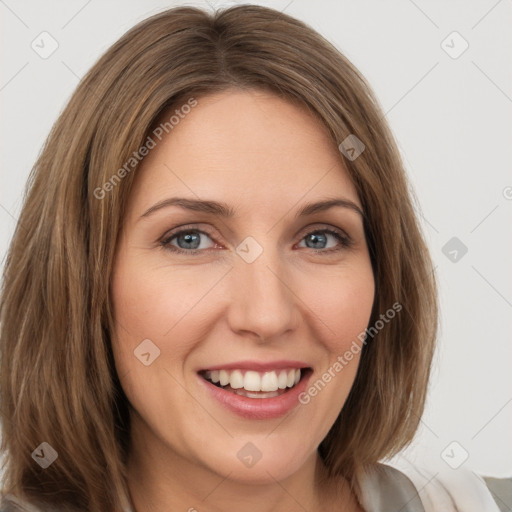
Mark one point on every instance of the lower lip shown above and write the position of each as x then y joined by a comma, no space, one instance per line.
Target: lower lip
258,408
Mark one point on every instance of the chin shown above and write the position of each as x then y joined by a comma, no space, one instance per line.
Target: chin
259,461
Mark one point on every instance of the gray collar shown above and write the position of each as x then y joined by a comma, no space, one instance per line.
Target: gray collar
385,488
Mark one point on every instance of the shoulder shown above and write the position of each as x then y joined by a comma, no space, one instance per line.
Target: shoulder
501,490
434,489
384,488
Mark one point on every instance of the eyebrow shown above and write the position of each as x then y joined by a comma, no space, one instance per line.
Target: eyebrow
224,210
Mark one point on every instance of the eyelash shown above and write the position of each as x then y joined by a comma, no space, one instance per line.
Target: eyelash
346,241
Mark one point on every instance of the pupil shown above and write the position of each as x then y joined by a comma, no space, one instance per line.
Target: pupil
314,237
188,237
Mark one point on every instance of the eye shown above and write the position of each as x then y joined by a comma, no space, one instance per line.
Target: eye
188,241
319,237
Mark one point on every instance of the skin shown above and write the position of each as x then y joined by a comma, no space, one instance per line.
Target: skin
265,157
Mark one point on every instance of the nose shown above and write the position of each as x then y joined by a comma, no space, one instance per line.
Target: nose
262,300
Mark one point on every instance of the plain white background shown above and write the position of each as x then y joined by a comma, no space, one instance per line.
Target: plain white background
451,115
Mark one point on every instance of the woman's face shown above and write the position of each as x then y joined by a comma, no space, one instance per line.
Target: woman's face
251,297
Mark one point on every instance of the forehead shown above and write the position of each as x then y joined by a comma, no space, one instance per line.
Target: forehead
249,146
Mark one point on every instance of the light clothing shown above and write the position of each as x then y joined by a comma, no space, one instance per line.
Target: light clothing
416,489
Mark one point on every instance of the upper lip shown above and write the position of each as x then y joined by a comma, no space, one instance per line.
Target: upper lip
259,366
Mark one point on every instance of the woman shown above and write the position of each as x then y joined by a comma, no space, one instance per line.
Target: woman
272,364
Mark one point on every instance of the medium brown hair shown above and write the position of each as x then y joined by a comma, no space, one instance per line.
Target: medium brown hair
58,382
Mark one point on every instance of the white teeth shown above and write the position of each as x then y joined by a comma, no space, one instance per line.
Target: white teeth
224,377
252,381
236,380
269,382
249,380
291,378
282,380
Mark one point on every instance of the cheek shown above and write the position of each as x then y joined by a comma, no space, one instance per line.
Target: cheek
153,314
138,308
165,305
350,318
149,302
344,308
343,304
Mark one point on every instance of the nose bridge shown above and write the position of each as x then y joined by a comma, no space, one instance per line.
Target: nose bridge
262,301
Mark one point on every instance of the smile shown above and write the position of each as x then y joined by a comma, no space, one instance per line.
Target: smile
254,384
257,394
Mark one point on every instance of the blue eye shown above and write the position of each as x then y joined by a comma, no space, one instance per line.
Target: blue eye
319,237
189,241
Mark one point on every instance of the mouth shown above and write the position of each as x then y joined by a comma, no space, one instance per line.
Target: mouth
257,384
